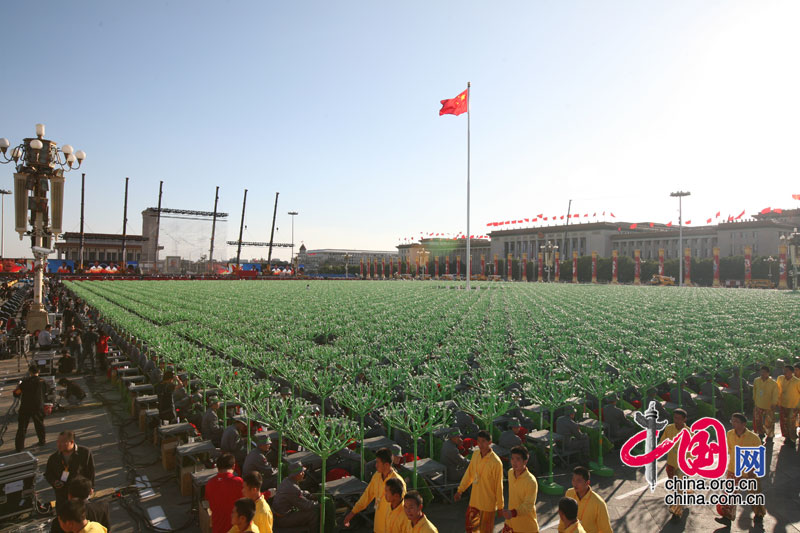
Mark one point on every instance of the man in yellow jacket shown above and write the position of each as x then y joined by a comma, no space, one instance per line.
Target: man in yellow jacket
740,436
252,489
412,504
376,490
789,403
396,520
485,474
522,490
72,518
765,396
568,515
673,469
592,509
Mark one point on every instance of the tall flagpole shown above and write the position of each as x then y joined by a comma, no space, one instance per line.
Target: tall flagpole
469,239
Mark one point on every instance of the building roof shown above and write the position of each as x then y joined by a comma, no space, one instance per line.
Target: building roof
459,243
579,226
345,251
74,235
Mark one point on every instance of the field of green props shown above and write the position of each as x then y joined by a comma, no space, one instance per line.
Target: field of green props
356,324
405,347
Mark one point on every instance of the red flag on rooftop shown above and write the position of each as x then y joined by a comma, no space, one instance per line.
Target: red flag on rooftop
539,215
652,224
613,215
688,222
595,214
708,221
718,214
796,196
455,106
669,225
766,210
633,226
740,215
778,211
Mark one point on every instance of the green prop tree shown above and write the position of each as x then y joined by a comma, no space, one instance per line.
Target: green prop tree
592,379
317,378
362,398
279,414
430,391
485,405
416,417
324,436
542,387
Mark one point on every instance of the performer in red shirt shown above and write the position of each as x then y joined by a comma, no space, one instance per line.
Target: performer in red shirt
222,491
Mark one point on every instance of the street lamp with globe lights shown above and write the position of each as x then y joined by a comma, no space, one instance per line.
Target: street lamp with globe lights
549,250
40,166
792,242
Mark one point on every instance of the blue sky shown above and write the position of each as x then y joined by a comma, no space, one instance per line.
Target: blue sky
335,105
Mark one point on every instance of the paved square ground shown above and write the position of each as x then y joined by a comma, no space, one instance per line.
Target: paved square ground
631,505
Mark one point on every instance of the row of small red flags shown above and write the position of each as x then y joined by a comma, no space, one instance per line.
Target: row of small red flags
448,236
731,218
543,218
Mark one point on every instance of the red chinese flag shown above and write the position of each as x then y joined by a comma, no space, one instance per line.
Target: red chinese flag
455,106
796,196
526,220
488,225
633,226
540,215
717,214
730,218
586,215
669,225
708,221
766,210
544,218
688,222
508,222
562,217
652,224
740,215
576,215
778,211
613,215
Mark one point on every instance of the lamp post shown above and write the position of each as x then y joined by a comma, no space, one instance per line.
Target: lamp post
770,260
293,214
549,250
792,242
679,195
346,259
424,254
4,192
40,167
